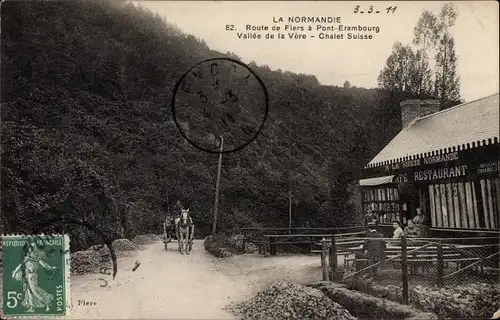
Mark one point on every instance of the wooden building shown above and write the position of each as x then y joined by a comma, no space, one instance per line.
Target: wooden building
445,162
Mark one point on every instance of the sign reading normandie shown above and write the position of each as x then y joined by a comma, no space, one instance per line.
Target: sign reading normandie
428,160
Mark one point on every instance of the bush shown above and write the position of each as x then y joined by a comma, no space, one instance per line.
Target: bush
474,301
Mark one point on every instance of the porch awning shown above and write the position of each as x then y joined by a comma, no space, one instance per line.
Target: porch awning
376,181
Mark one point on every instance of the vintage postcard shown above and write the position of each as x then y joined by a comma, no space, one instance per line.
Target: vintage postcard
250,159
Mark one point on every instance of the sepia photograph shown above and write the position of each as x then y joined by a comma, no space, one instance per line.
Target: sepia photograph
252,160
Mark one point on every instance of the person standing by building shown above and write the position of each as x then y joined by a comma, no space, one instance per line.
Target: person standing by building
369,217
374,247
412,230
177,209
420,221
398,232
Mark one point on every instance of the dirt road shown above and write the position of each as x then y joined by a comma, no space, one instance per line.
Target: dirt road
168,285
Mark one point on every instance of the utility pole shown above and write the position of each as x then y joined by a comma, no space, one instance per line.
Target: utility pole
216,206
290,212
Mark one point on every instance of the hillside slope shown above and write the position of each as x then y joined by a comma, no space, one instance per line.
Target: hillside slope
87,129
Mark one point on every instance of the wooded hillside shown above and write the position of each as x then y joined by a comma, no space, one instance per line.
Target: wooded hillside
87,129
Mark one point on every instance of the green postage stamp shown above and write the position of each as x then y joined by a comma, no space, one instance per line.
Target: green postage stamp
36,271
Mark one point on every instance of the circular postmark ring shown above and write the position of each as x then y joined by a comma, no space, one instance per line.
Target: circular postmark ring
258,129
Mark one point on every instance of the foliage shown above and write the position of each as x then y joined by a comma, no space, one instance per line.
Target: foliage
472,301
87,130
410,70
406,71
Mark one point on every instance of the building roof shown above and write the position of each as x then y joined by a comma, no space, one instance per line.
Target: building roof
465,123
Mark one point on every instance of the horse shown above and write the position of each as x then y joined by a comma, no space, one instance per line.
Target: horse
185,231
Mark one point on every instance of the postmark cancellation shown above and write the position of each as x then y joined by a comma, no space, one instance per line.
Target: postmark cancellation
35,275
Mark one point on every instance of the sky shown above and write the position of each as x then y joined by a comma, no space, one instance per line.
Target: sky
334,61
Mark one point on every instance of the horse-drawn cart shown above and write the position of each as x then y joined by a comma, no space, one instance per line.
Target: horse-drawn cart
180,228
168,233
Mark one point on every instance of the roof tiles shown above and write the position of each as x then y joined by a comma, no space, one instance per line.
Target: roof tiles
465,123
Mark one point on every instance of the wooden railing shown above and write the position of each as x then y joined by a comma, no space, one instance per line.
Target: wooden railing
331,246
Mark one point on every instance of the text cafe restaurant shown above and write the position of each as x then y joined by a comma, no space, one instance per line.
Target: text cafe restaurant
445,162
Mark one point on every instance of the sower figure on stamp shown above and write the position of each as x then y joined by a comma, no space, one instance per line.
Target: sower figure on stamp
27,271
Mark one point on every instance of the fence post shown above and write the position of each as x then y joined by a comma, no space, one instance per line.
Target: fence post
311,244
272,246
440,266
324,265
333,259
404,269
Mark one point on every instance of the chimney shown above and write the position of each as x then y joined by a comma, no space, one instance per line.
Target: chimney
413,109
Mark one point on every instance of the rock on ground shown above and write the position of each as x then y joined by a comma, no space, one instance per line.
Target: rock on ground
142,239
125,245
104,250
154,237
89,261
285,300
215,248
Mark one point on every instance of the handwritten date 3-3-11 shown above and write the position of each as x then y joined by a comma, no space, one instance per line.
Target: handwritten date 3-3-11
372,9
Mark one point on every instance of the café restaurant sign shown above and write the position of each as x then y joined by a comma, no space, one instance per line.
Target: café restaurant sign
448,172
432,174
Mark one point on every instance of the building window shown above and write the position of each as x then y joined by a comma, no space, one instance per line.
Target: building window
462,205
383,201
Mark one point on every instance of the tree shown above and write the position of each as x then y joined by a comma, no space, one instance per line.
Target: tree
405,72
347,84
432,35
447,82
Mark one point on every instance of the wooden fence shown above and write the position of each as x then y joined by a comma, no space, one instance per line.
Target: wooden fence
332,246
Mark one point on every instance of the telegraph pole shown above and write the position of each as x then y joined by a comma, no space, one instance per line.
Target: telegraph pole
216,206
290,212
